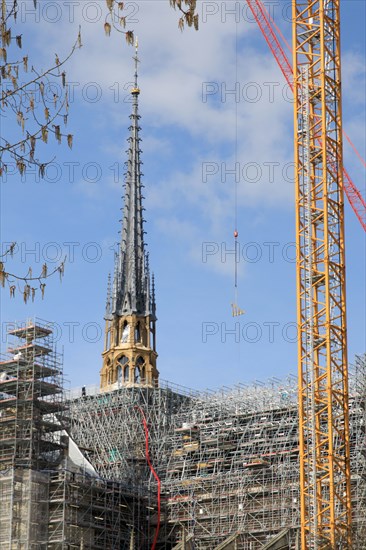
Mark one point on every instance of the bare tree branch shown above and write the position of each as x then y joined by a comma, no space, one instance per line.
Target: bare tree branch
28,291
27,102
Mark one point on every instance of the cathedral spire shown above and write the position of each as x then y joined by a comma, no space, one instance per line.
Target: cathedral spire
129,351
130,283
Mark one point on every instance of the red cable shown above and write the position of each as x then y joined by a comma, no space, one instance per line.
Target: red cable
354,148
147,454
261,17
264,21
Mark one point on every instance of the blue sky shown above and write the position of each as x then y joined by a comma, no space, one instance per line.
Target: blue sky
188,131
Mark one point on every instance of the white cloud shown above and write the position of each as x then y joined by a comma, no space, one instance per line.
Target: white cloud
174,68
353,77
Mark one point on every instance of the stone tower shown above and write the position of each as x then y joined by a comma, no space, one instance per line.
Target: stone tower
129,356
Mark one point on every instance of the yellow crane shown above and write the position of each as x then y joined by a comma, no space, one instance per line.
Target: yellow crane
320,182
325,477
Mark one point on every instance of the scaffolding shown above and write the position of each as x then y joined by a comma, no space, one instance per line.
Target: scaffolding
233,466
51,497
108,428
228,461
90,512
357,412
31,398
118,469
24,509
31,417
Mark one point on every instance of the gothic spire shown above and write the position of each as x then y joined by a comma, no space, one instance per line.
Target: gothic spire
131,288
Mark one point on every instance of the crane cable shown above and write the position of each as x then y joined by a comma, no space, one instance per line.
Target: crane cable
236,311
236,161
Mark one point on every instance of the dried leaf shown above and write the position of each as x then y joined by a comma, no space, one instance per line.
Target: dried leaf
33,293
19,41
12,291
122,22
70,140
181,24
195,22
65,119
41,88
32,141
130,38
46,113
44,134
61,270
31,103
6,36
21,166
121,5
110,4
42,286
79,38
107,28
57,61
44,271
20,119
58,133
55,98
25,63
63,79
26,293
3,54
42,169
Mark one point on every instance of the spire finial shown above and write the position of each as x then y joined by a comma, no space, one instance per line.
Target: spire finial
136,89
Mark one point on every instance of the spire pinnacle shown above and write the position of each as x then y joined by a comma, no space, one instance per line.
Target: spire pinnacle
136,89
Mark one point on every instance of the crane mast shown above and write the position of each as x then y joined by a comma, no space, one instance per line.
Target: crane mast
321,299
